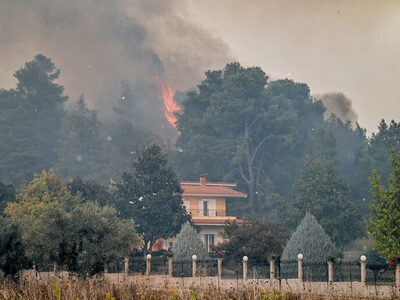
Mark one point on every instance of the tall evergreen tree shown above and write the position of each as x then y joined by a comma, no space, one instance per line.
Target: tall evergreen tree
31,117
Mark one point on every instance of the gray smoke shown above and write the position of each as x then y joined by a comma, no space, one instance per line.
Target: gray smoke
340,105
98,44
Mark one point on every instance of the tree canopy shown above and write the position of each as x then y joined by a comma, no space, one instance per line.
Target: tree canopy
57,226
254,238
152,195
383,224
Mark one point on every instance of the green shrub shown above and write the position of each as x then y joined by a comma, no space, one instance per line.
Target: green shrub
310,240
187,243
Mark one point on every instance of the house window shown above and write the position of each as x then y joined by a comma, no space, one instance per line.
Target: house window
205,208
208,241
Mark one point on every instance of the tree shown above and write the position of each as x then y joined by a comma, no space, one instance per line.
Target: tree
12,250
31,117
84,241
45,189
226,127
152,195
80,148
310,240
321,191
188,243
58,227
256,239
376,156
383,225
18,158
239,126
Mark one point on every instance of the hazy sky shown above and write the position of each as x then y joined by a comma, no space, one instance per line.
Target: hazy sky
334,46
351,47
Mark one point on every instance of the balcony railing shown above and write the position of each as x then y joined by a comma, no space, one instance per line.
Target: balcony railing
207,212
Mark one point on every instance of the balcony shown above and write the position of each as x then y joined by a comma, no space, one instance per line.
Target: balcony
207,212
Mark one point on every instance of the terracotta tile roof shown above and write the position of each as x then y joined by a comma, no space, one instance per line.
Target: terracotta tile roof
215,189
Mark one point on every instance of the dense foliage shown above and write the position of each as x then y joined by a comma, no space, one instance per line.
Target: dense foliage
321,191
187,244
12,250
152,195
256,239
310,240
383,225
55,226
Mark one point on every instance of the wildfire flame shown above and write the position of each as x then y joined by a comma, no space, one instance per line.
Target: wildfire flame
167,97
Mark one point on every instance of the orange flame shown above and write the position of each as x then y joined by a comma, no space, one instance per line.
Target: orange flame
167,96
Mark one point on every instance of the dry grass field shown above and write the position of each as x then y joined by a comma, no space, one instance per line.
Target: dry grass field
90,289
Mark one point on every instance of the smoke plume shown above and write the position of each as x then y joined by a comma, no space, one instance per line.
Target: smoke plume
340,105
99,44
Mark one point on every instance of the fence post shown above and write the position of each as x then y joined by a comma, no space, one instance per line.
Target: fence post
126,261
170,259
148,264
219,268
194,265
363,260
272,269
398,275
245,259
330,271
300,267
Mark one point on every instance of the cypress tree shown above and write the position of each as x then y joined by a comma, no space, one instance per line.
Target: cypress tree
310,240
188,243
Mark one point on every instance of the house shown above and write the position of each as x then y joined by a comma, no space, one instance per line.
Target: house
206,202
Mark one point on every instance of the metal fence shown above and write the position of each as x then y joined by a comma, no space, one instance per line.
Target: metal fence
182,268
377,272
346,271
232,269
380,273
286,269
258,269
207,267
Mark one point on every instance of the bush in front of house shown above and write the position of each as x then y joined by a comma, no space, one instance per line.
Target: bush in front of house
187,243
310,240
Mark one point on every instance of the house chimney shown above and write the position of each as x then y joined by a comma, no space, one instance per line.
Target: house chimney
203,181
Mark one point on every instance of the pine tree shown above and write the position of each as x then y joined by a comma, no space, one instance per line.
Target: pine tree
30,120
310,240
188,243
